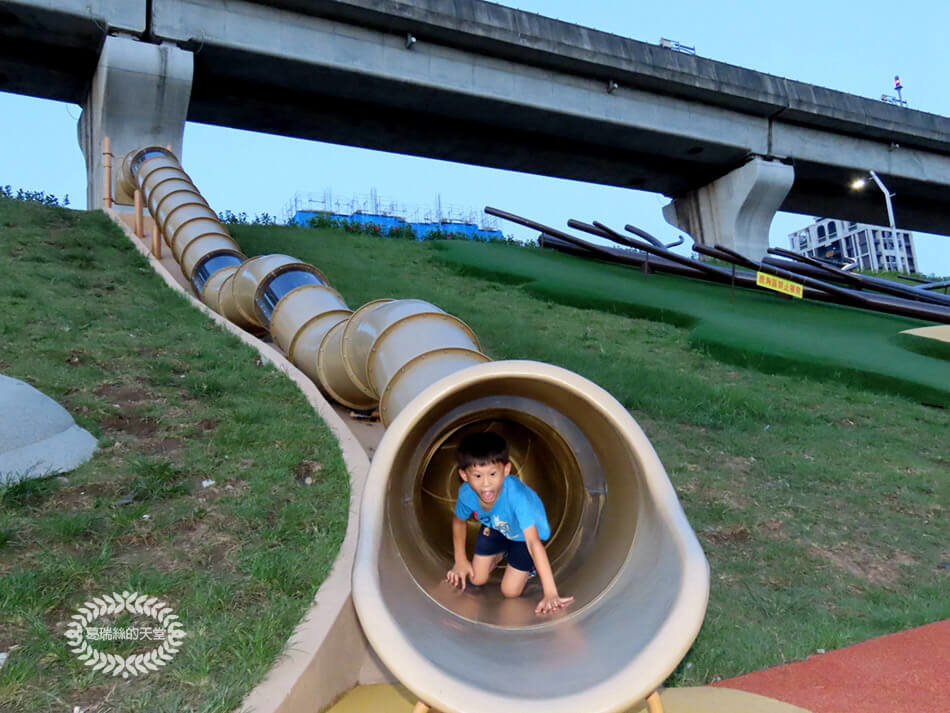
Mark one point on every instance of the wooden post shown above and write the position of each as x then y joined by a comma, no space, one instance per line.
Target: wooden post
653,703
107,171
139,227
156,240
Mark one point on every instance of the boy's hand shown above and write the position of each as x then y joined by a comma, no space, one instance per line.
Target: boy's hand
552,604
458,575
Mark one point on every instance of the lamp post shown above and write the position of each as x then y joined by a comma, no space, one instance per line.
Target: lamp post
860,183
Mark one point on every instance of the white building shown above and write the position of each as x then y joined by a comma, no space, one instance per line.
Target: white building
841,240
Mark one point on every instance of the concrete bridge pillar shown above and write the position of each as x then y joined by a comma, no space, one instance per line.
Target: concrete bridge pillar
735,210
139,97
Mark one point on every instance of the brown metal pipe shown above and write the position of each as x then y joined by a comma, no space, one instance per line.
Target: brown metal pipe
859,281
840,295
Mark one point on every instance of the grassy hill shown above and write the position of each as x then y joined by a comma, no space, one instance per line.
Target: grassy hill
819,498
174,402
820,501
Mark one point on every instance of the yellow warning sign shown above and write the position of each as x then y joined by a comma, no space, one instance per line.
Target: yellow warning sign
763,279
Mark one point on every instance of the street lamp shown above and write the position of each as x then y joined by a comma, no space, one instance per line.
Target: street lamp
859,183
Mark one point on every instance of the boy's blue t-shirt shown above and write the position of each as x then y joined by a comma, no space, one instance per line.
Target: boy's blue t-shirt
517,508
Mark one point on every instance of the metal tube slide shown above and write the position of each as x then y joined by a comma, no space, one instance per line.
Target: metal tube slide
260,283
620,542
211,290
356,343
301,320
388,345
198,240
277,292
333,376
620,545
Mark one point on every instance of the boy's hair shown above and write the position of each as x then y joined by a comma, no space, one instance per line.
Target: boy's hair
481,449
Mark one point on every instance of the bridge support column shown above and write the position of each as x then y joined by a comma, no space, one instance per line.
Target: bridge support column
139,97
735,210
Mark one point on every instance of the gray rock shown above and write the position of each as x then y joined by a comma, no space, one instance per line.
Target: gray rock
38,437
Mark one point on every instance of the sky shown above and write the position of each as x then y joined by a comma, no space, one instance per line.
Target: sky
855,48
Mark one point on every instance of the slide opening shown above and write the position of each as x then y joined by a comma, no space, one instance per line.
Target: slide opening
562,447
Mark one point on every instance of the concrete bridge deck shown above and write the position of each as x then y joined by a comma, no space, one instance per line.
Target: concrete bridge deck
494,86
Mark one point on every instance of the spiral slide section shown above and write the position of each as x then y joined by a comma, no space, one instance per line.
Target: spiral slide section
620,542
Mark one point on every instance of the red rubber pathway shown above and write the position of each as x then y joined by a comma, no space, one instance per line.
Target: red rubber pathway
904,672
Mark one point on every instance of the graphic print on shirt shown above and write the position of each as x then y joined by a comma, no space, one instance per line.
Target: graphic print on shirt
516,507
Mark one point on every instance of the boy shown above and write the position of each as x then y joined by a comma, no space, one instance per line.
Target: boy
514,523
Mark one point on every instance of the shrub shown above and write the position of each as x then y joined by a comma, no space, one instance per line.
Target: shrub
33,196
323,220
230,218
402,231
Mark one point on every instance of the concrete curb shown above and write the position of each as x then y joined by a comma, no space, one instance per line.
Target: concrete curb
308,675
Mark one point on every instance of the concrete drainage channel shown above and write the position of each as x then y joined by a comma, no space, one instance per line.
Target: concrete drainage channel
620,540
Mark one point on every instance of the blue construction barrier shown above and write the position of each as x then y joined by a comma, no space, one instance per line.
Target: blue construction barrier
388,223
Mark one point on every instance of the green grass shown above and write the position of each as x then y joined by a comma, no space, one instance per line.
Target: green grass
820,502
820,499
173,401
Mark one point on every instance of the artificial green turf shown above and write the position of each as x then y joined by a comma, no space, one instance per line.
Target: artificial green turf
766,331
924,345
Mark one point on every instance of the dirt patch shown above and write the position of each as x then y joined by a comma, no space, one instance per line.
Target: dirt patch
130,423
120,395
144,541
736,464
92,699
77,357
208,424
162,446
215,550
773,527
306,471
201,542
226,489
866,563
80,497
727,535
126,398
711,493
159,558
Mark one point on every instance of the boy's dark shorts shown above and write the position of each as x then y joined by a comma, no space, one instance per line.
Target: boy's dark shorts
491,542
